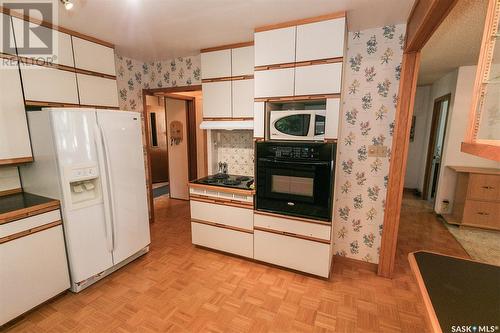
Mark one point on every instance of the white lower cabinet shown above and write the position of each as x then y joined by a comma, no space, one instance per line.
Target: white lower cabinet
318,79
242,98
227,240
43,84
217,99
274,82
295,253
316,230
33,267
226,215
97,91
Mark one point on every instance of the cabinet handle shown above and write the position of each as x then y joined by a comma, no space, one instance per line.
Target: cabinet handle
488,187
483,213
289,233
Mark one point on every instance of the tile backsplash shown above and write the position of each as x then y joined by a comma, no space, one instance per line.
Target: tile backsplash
236,149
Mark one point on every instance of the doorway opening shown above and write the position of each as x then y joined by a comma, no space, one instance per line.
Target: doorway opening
436,145
175,146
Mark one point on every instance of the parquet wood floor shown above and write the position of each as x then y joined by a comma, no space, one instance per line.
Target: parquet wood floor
181,288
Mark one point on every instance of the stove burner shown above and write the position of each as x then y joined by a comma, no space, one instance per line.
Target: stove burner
243,178
231,182
210,180
220,176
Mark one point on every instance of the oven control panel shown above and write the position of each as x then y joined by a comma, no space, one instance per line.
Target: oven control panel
295,152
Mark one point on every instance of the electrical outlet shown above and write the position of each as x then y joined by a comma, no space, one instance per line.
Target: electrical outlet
377,151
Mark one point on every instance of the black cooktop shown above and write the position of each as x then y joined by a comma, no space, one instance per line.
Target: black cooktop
225,180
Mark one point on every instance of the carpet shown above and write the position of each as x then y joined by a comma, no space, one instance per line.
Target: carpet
162,190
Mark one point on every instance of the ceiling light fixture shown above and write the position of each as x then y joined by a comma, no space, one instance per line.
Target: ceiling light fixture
67,4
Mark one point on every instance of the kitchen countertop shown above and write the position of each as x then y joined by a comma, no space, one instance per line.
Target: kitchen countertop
22,205
457,292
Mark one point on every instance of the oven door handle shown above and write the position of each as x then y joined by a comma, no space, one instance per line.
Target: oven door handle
274,160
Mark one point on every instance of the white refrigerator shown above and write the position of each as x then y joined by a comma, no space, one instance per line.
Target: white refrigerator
93,162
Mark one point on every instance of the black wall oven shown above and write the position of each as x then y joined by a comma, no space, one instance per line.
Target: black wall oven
295,179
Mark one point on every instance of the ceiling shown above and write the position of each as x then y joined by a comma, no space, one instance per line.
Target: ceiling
162,29
455,43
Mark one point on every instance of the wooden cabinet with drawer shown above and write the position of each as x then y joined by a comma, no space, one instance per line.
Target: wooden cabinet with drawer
477,198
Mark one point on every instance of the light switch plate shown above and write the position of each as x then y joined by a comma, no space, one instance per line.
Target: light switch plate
377,151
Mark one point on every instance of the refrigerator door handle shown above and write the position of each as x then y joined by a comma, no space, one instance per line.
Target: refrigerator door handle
109,185
105,189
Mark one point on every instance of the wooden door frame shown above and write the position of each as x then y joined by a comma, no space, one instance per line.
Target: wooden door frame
147,130
425,17
432,139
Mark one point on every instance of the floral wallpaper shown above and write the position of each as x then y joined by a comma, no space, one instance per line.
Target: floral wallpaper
132,76
236,149
371,82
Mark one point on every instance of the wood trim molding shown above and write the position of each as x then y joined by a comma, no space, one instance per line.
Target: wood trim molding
30,211
296,98
228,119
17,160
425,295
228,78
399,155
301,21
223,226
468,169
299,64
11,191
28,232
222,202
160,91
359,264
331,140
91,73
50,104
49,25
227,46
295,218
222,189
274,66
147,131
491,152
289,234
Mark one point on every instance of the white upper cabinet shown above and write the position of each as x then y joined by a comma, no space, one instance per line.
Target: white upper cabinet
332,118
63,50
93,57
217,99
97,91
275,46
5,20
258,119
318,79
242,92
14,136
274,83
320,40
242,61
43,84
216,64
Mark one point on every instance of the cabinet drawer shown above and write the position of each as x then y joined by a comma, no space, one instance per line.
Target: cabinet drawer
43,84
242,61
97,91
484,187
240,243
29,223
216,64
274,83
227,215
242,98
302,255
321,40
318,79
93,57
482,213
34,269
275,46
307,229
217,99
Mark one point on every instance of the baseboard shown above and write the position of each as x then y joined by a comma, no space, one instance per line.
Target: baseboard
360,264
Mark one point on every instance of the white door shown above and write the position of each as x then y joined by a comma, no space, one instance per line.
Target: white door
216,64
321,40
87,243
275,46
318,79
86,53
44,84
274,83
217,99
122,137
242,98
97,91
178,164
242,61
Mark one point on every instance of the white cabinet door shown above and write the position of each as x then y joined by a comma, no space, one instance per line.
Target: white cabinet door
63,50
318,79
217,99
242,59
300,254
45,84
321,40
216,64
275,46
227,240
332,118
34,269
93,57
274,83
97,91
14,136
243,98
258,119
5,21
